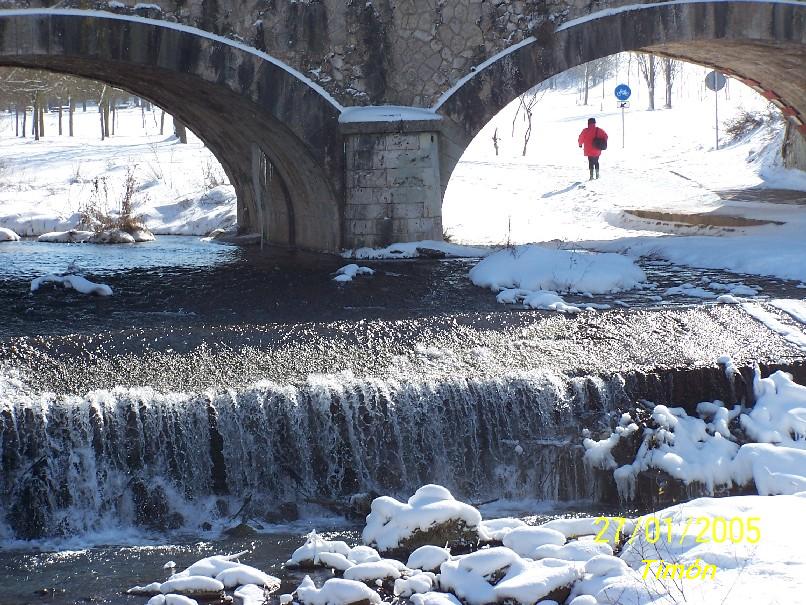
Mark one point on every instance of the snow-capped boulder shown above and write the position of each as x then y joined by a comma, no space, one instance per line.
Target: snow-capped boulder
73,236
431,516
336,592
246,574
428,558
306,555
369,572
112,236
494,530
498,574
202,587
7,235
525,540
73,282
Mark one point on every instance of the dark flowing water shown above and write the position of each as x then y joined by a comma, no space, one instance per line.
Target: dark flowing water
218,379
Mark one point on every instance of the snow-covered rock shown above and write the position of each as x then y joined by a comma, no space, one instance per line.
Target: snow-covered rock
702,449
417,584
112,236
494,530
348,272
525,540
428,557
431,516
211,566
307,554
540,269
499,574
250,594
336,592
245,574
369,572
73,236
74,282
171,599
7,235
194,586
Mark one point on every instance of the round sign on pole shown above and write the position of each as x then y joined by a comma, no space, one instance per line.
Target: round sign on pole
623,92
715,81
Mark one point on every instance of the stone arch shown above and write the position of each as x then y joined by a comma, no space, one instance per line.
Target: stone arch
761,42
246,106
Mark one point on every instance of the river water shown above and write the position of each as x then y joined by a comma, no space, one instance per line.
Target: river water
217,377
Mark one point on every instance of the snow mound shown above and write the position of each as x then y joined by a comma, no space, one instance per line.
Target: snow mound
499,574
245,574
171,599
535,274
7,235
369,572
428,557
390,522
496,529
532,267
74,282
417,584
336,592
525,540
348,272
409,250
306,555
73,236
192,585
434,598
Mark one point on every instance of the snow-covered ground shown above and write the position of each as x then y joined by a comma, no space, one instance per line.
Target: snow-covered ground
181,189
668,163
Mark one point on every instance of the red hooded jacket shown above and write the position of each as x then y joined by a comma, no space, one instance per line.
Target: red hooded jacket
586,140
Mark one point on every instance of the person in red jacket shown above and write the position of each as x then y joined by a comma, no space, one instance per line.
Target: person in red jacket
592,151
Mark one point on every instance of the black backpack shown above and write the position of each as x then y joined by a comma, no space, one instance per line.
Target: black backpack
599,142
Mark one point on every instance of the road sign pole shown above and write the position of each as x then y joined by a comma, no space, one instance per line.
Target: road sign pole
716,117
622,126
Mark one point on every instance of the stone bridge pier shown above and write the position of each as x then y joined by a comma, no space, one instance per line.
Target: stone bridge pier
393,189
339,124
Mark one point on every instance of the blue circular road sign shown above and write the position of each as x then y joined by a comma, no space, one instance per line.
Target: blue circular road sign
623,92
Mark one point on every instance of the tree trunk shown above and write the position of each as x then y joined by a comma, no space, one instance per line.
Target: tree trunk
35,118
162,122
668,68
60,117
16,120
41,120
651,82
587,83
106,117
180,131
114,118
84,105
24,120
71,111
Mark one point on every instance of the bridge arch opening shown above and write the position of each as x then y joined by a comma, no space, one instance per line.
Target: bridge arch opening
524,178
274,132
762,43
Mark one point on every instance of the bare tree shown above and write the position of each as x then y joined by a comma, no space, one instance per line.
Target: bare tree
526,103
495,141
646,63
670,69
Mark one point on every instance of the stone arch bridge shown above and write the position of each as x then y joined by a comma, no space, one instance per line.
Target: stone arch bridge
340,122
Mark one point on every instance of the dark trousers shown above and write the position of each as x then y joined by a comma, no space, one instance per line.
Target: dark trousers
593,162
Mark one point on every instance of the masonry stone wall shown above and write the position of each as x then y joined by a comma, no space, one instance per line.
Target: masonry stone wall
393,188
401,52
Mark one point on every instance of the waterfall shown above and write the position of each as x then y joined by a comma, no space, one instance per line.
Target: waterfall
135,456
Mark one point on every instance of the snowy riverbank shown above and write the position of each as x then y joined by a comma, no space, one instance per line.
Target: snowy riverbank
45,184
